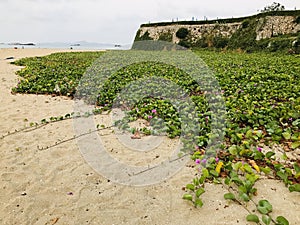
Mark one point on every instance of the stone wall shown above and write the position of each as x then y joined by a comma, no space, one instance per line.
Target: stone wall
267,27
270,26
195,31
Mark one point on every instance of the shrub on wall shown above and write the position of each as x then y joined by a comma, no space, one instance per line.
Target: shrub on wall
245,37
144,37
201,43
137,36
280,45
220,41
166,36
245,23
182,33
185,43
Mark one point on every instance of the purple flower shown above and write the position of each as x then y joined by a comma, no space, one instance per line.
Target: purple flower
259,149
255,84
217,159
203,161
197,161
290,119
153,111
150,117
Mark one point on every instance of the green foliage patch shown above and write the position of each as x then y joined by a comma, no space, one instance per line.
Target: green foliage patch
166,36
144,37
261,90
58,73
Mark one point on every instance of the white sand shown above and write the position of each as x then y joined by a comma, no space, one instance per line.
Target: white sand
35,185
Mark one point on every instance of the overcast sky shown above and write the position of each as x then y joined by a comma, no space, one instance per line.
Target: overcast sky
109,21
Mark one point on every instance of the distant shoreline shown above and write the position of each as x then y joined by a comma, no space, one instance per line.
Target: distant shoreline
25,44
75,46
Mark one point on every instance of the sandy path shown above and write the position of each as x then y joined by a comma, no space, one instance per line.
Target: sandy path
57,186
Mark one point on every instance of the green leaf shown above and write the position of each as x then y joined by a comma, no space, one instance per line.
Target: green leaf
249,134
204,175
284,156
199,192
217,181
264,207
227,181
229,196
294,187
266,219
240,136
244,197
269,154
282,221
196,181
251,178
190,187
205,172
214,173
283,176
233,150
252,218
202,179
188,197
295,137
248,168
198,202
295,145
259,134
296,122
286,135
297,167
237,181
266,170
237,166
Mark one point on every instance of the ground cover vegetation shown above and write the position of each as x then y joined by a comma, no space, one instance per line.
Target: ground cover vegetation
261,93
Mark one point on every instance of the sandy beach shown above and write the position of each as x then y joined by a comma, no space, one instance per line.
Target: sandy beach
57,186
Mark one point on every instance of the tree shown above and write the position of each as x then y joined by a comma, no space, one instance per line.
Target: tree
274,7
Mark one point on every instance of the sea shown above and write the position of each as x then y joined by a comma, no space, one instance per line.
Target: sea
66,45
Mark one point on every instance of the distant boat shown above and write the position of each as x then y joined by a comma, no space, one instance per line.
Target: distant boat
75,45
118,46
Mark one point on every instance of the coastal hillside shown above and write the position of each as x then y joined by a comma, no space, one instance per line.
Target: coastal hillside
271,31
